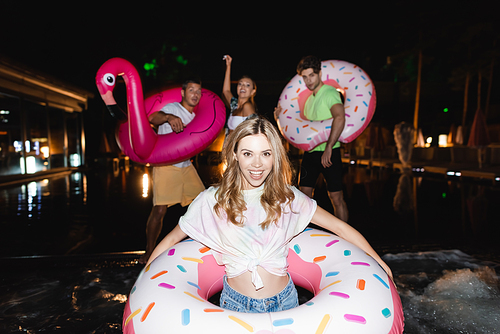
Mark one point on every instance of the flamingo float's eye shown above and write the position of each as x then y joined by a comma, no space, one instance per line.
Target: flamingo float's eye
109,79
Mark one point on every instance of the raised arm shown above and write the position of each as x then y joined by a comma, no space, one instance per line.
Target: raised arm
328,221
175,236
226,87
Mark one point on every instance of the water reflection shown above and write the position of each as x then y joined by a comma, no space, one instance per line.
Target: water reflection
477,207
74,213
410,208
98,211
145,185
404,199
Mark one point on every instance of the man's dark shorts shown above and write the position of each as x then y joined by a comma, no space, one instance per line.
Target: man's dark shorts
311,167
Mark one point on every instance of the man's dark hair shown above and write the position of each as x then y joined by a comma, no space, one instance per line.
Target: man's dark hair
191,80
309,62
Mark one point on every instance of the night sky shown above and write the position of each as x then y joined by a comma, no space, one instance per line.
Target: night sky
72,41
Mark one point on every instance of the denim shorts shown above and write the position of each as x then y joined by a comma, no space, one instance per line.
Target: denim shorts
232,300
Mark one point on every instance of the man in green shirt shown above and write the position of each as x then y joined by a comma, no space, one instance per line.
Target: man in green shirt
324,103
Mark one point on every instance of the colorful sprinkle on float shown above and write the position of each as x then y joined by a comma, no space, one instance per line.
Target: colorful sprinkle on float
359,105
352,293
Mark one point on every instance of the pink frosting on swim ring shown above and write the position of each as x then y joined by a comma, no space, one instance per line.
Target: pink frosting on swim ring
352,293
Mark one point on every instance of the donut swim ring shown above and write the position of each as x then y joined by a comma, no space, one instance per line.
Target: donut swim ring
359,104
352,293
135,136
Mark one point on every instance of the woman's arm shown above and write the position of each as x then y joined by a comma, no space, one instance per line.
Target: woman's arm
175,236
226,87
328,221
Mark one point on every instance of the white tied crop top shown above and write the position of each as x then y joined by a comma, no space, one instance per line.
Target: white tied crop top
243,248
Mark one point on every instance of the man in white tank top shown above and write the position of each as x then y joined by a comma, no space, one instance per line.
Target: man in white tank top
176,183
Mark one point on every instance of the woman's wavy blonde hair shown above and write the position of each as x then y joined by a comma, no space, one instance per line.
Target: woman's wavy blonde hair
277,192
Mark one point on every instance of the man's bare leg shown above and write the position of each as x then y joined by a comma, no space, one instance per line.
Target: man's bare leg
308,191
153,230
337,199
339,205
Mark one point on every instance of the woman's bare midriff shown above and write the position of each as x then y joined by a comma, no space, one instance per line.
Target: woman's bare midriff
272,284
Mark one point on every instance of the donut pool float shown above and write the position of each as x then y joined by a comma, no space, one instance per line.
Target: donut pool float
359,103
135,136
352,293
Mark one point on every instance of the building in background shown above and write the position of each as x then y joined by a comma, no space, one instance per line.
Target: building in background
41,122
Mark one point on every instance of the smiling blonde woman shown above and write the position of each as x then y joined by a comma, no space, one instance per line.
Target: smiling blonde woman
249,219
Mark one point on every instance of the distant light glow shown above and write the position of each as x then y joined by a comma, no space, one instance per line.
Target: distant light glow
443,140
45,151
181,60
145,185
151,68
74,160
30,165
18,146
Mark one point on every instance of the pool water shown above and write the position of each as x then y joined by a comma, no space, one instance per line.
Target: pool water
70,246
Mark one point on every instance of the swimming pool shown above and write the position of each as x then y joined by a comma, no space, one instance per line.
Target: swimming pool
69,247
